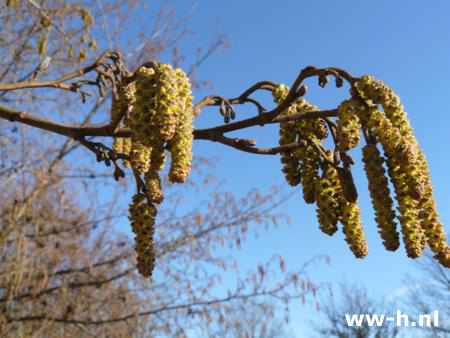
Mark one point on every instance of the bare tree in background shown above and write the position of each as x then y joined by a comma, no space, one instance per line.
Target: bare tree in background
430,291
64,269
353,300
261,322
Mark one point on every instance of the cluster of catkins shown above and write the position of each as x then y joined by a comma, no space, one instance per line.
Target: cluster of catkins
156,105
334,191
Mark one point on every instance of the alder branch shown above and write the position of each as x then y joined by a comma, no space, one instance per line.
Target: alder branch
117,75
105,130
243,145
118,71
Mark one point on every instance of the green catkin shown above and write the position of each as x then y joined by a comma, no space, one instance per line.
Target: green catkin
381,200
326,192
140,157
321,130
142,218
334,207
301,164
160,110
118,145
181,156
167,104
161,94
122,145
347,184
309,129
180,145
429,218
443,257
379,93
352,228
153,184
397,145
413,235
309,174
157,157
348,124
129,100
126,148
157,106
403,173
412,176
288,134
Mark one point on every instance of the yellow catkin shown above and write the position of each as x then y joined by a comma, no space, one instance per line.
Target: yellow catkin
347,183
300,164
157,157
443,257
405,167
309,128
352,228
429,218
158,108
379,93
180,145
122,145
288,134
381,200
348,124
309,174
326,192
142,218
126,148
397,145
162,94
140,157
118,145
153,184
181,155
413,235
159,102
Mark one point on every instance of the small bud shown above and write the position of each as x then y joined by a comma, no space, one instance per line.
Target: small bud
339,82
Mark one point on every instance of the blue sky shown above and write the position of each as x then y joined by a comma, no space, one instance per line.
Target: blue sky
404,43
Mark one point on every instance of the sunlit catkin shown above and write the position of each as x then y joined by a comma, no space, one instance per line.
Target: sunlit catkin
118,145
180,147
347,183
381,200
443,257
140,157
429,218
288,134
413,236
309,174
407,145
348,124
352,228
122,145
326,196
142,218
153,184
399,147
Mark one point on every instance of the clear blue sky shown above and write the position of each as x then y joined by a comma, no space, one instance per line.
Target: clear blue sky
404,43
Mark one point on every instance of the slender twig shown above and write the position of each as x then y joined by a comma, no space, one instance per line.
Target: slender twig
272,292
238,144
